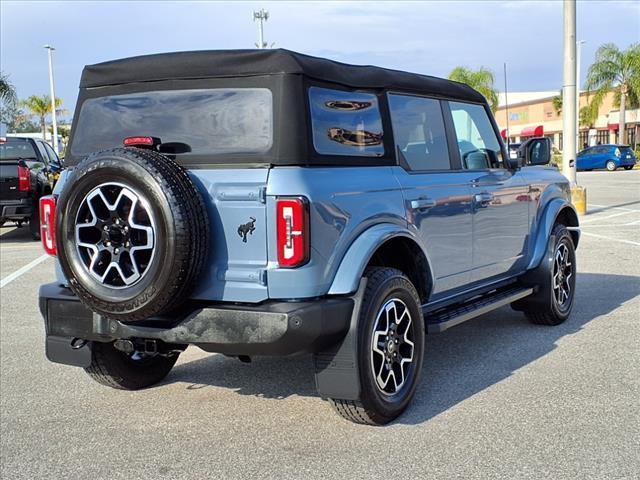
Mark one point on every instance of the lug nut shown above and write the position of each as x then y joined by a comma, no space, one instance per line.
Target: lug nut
108,244
396,340
105,228
116,251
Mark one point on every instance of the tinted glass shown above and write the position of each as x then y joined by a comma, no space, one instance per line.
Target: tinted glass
203,122
17,148
477,141
418,130
53,158
345,123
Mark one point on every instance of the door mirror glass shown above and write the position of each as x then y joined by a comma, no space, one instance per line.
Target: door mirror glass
535,151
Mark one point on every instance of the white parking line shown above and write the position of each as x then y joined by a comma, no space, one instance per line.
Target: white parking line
12,276
620,240
627,212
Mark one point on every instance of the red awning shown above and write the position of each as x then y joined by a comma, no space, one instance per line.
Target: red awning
532,131
613,126
503,133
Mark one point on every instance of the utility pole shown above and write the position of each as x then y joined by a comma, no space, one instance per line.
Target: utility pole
261,16
506,105
569,116
578,55
53,100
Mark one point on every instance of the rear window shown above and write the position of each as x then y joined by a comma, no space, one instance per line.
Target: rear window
17,149
190,122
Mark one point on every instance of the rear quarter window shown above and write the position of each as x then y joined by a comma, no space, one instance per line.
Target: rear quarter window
345,123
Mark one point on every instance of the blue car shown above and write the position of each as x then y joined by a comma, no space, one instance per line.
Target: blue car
610,157
264,202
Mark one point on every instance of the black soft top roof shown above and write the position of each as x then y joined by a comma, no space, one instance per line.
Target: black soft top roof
243,63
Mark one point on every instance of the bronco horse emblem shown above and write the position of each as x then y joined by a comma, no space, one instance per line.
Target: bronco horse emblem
247,228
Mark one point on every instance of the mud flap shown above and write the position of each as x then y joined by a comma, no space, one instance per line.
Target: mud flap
64,350
539,279
336,369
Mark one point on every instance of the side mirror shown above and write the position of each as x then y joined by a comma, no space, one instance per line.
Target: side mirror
535,151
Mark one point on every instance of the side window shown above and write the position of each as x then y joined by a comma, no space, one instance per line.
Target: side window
53,158
418,130
477,141
42,151
345,123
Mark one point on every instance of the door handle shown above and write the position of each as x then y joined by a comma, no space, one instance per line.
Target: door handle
483,199
422,203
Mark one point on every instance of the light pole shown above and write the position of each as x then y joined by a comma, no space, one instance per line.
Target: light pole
569,114
579,44
53,99
261,16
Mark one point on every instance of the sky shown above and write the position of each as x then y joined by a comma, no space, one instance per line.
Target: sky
424,37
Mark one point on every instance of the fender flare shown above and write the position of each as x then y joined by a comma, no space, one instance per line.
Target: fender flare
545,225
354,262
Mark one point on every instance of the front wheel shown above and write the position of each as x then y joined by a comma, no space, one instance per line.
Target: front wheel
116,369
553,302
390,349
611,165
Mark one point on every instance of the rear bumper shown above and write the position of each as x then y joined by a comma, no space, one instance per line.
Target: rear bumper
16,210
271,328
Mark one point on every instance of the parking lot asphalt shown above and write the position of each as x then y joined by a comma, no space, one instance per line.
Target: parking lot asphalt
500,398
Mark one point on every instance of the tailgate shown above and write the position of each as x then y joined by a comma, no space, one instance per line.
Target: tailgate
236,270
9,182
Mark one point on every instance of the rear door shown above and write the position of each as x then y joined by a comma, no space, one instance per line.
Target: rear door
500,195
437,198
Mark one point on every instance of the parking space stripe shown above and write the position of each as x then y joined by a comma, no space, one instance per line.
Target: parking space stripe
620,240
608,216
12,276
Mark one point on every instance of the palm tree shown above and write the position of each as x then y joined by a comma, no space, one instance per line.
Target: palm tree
40,106
7,90
481,80
557,103
619,70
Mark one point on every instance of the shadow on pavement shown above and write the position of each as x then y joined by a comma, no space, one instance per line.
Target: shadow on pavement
610,207
458,363
16,235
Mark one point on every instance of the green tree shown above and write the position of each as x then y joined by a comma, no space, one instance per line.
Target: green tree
557,103
481,80
40,107
617,70
7,90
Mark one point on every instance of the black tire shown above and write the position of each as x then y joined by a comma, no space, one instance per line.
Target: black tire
628,167
115,369
375,407
611,166
171,205
543,308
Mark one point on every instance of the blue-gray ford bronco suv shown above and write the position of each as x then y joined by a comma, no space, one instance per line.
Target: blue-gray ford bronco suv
272,203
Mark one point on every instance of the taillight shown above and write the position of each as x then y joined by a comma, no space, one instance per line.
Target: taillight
24,179
292,231
48,224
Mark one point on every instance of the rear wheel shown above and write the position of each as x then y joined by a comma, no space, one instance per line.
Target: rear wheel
390,349
628,167
116,369
34,223
611,165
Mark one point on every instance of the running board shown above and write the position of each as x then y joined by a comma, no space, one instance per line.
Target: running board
442,319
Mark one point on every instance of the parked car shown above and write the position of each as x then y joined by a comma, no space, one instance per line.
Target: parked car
28,170
610,157
513,150
272,203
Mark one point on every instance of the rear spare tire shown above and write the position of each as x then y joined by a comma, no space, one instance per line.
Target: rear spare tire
132,233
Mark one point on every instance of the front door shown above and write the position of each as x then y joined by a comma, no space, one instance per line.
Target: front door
500,195
437,198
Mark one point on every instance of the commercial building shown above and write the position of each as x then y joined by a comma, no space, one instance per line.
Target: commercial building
533,114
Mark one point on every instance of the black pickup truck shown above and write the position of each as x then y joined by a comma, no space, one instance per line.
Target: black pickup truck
28,170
